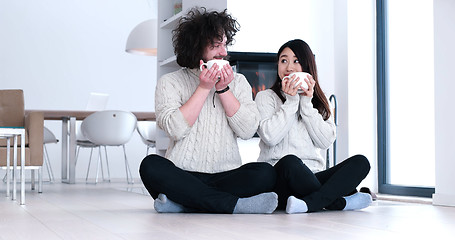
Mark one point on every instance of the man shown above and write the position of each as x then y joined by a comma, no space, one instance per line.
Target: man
204,112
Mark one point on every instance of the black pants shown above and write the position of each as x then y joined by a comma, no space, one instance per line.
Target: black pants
205,192
319,190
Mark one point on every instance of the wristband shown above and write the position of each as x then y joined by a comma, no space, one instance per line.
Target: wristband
223,91
219,92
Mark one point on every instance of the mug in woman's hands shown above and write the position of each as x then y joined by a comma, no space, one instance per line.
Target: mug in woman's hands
301,76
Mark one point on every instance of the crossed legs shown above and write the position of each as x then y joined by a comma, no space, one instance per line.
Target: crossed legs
326,189
204,192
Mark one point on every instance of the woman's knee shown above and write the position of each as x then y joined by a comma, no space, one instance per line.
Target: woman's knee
361,162
291,170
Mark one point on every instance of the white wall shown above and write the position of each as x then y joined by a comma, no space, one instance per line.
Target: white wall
361,84
60,51
444,52
341,76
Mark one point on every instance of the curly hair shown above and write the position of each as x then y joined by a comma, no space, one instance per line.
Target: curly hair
306,59
197,30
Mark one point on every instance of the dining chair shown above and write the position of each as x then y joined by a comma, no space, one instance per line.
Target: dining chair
82,141
96,102
12,114
109,128
48,137
147,131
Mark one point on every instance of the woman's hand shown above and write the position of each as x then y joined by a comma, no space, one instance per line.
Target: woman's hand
289,85
310,82
208,77
226,77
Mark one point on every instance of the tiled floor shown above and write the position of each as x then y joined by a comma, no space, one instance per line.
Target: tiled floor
121,211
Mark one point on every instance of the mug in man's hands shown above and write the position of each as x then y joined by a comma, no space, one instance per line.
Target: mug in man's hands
219,62
301,76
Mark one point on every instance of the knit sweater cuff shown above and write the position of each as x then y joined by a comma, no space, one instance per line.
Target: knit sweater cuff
290,98
244,122
306,105
177,126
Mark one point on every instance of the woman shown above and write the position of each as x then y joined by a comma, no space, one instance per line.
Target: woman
293,128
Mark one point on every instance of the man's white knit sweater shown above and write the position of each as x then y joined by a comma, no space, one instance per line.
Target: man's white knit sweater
283,133
210,145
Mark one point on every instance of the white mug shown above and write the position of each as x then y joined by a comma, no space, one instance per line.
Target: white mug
219,62
301,76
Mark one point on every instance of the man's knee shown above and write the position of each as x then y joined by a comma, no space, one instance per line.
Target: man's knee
264,175
152,164
290,161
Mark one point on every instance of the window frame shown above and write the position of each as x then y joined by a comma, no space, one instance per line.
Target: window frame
384,185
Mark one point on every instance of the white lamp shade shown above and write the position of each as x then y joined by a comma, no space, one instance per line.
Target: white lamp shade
143,40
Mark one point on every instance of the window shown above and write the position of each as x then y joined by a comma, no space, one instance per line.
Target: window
406,151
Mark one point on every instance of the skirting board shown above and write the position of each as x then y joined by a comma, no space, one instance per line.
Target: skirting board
444,200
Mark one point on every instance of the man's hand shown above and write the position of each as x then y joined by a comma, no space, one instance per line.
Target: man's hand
208,77
226,77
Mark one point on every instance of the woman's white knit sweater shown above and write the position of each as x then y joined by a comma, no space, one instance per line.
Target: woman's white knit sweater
210,145
283,133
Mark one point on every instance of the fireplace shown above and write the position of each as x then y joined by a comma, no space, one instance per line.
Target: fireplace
260,69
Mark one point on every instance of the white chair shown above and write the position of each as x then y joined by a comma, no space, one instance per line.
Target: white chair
96,102
147,130
82,141
48,137
109,128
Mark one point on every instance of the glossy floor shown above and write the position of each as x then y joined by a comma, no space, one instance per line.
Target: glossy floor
121,211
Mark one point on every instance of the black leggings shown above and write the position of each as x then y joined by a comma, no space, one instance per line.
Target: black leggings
205,192
319,190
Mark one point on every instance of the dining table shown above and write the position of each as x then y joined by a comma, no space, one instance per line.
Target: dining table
68,118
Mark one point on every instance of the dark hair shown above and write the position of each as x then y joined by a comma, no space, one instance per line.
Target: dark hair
197,30
306,59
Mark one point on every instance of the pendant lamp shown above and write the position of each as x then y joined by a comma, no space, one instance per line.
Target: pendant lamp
143,39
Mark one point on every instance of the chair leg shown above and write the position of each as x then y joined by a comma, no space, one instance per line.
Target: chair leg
89,163
101,163
98,165
40,180
107,165
48,165
77,154
8,168
33,179
129,176
102,166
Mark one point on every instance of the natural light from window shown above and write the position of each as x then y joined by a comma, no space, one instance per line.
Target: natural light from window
411,93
